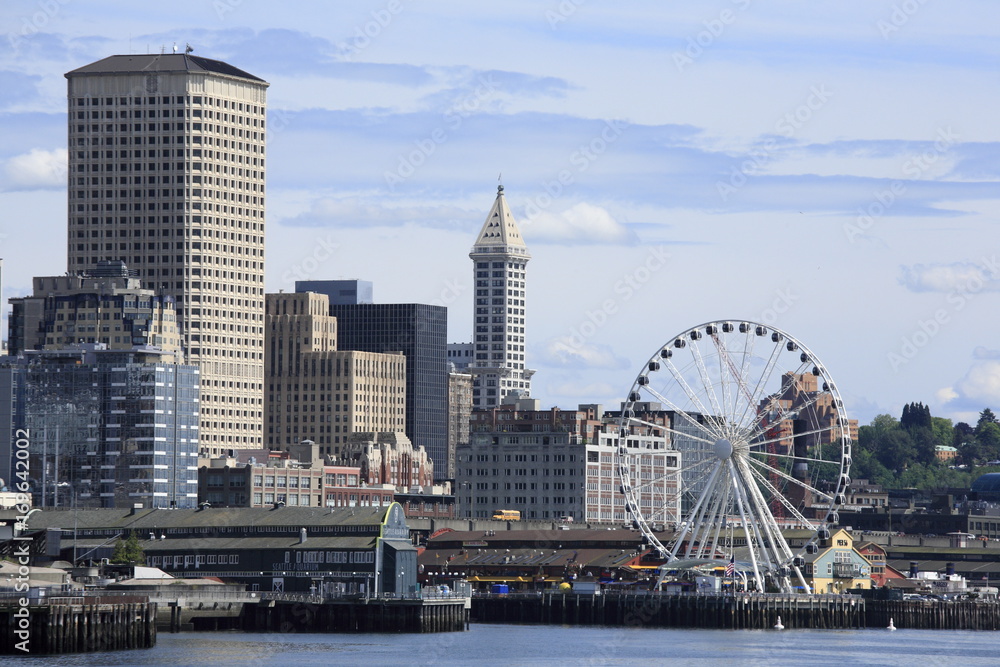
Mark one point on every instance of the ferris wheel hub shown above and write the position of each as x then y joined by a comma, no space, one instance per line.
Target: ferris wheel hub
723,449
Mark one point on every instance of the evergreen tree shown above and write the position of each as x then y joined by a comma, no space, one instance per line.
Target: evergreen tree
128,551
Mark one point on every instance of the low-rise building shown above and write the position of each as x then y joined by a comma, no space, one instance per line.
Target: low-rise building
286,549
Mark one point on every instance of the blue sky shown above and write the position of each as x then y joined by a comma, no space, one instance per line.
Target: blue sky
827,168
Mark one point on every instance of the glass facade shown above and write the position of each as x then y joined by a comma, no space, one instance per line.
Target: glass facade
420,332
109,428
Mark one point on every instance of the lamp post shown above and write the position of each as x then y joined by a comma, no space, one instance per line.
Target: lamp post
75,515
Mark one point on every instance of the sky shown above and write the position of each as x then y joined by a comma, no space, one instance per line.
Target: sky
828,168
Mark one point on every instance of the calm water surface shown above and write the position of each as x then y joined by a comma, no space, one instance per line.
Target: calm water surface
510,645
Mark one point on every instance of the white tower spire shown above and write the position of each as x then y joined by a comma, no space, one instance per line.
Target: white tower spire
499,259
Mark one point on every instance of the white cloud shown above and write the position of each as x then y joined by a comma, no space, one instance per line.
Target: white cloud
954,277
570,351
37,169
581,224
978,389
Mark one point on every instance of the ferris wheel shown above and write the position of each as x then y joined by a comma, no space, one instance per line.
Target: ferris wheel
759,441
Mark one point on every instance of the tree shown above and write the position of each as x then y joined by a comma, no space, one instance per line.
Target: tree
128,551
985,417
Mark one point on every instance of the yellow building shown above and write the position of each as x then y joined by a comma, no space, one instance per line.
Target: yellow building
837,566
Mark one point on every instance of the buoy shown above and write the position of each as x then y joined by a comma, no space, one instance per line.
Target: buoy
778,625
891,626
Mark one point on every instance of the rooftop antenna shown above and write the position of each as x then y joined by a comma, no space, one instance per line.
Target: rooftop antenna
188,48
175,47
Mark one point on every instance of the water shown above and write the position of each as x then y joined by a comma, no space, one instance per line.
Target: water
514,645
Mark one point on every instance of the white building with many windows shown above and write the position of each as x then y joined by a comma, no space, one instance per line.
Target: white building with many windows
499,258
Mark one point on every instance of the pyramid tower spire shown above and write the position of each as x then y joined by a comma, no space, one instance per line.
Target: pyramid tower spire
500,230
499,259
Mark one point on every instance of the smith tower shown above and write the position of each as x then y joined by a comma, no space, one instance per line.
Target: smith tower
499,257
166,174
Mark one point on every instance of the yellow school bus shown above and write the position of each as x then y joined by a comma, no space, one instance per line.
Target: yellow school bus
507,515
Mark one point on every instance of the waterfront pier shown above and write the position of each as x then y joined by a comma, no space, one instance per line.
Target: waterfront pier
309,613
751,612
77,624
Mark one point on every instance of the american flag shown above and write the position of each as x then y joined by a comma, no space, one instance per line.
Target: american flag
731,567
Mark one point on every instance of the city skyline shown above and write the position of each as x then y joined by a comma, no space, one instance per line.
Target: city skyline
825,173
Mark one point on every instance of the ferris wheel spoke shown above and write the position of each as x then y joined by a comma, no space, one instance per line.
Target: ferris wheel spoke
760,424
730,371
667,429
780,497
701,426
749,529
825,429
692,396
778,546
728,406
706,382
795,458
783,474
762,381
688,525
707,522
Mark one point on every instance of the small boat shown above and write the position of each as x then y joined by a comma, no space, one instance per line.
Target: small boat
891,626
778,625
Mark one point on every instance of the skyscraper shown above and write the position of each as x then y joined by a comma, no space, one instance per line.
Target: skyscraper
166,173
420,332
499,258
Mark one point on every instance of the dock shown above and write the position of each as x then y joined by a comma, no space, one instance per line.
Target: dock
76,624
751,612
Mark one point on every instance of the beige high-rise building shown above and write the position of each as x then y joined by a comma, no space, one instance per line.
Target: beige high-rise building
500,259
166,173
317,392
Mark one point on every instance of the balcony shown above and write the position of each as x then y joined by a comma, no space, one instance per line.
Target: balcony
847,571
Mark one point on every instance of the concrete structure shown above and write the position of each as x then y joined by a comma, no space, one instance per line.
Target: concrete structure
105,303
340,292
320,393
167,174
460,355
459,417
561,465
499,259
419,332
388,458
107,428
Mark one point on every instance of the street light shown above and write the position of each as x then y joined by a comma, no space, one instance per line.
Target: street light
75,516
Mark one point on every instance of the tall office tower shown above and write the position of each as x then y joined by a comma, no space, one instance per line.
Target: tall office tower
317,392
420,332
166,173
500,258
